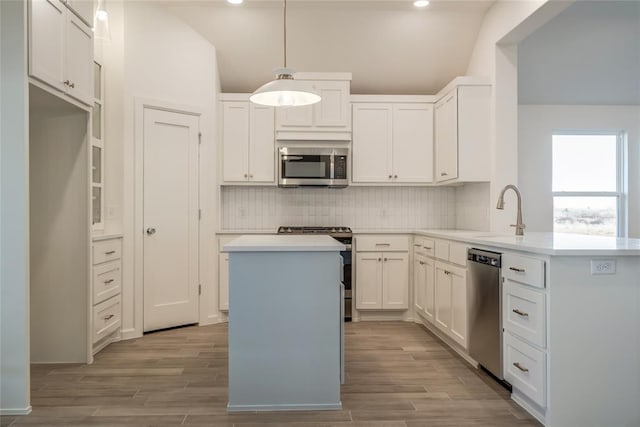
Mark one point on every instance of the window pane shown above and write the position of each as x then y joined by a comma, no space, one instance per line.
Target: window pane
97,80
96,165
585,163
585,215
96,204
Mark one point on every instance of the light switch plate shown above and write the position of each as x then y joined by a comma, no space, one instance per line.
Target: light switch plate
603,266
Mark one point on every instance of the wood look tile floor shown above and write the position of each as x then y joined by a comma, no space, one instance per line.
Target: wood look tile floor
398,375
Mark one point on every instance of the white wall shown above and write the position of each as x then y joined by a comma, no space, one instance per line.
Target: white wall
14,211
473,206
495,56
361,208
167,61
536,125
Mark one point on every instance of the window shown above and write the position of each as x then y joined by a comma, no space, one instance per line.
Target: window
97,150
588,181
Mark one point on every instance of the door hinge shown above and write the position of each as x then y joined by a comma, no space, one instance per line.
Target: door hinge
199,289
199,137
199,214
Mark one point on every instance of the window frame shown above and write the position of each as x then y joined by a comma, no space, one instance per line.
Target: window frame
621,177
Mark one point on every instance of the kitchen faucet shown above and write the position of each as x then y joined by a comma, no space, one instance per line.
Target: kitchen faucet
518,225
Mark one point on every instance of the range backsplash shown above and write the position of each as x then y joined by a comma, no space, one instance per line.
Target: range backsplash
385,208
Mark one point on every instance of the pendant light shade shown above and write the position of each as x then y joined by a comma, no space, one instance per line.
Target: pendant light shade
284,91
101,29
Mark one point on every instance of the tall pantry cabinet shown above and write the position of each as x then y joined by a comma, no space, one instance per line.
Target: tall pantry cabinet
60,68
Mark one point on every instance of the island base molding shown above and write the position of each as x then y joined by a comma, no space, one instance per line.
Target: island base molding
284,407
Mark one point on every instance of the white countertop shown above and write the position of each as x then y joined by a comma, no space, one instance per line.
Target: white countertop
544,243
281,243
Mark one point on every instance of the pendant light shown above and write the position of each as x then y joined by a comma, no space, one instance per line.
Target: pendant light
284,91
101,22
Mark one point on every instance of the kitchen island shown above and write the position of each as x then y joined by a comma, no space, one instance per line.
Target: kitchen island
285,323
570,322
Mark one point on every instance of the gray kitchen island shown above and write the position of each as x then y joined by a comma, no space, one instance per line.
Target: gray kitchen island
285,323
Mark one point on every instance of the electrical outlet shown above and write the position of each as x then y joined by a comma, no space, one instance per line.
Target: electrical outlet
603,266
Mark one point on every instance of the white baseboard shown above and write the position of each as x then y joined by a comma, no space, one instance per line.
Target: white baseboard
533,410
382,316
131,333
22,411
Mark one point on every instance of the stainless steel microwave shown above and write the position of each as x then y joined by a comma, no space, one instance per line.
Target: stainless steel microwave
313,166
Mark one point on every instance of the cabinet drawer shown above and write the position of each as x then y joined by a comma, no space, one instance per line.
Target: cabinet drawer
442,249
524,313
424,245
458,253
453,252
382,243
106,250
106,318
525,368
518,268
107,279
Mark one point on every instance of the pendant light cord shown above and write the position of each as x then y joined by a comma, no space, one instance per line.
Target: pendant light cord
285,33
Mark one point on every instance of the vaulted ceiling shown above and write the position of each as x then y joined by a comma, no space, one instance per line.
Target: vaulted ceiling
391,47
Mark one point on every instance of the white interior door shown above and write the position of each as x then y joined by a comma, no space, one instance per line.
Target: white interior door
170,212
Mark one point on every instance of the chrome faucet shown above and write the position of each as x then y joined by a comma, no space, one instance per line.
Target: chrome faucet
518,225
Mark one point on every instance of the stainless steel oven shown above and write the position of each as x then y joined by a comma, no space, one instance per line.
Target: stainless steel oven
313,166
344,236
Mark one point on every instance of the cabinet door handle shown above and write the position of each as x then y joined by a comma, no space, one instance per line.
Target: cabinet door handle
520,313
421,262
109,317
390,176
379,259
246,175
443,174
250,175
110,252
395,176
386,259
106,282
69,83
519,366
517,269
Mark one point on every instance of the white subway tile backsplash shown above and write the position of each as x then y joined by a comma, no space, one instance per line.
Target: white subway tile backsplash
386,208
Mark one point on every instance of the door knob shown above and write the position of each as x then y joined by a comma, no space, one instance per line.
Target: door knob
151,231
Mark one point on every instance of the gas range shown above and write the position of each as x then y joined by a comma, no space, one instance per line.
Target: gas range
338,233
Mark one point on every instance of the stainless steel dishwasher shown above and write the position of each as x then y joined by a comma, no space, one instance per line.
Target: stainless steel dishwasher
485,310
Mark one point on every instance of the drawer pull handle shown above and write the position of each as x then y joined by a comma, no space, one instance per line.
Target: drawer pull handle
417,245
520,313
110,252
519,366
106,282
109,317
383,244
427,248
444,174
421,262
517,269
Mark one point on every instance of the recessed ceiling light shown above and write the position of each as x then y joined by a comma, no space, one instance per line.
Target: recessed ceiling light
238,1
421,3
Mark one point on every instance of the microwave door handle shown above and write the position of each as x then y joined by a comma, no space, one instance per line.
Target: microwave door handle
292,157
332,167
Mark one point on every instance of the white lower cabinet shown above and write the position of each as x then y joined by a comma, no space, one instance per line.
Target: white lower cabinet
451,301
382,277
107,286
525,368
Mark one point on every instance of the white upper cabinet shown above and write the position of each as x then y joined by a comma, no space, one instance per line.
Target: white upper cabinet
61,49
372,133
82,8
393,143
46,41
248,143
79,60
413,143
462,134
331,116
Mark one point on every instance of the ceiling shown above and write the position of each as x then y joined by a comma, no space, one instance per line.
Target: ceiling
391,47
587,55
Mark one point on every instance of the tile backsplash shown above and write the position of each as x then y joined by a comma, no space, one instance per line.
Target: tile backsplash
385,208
